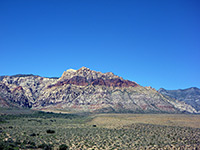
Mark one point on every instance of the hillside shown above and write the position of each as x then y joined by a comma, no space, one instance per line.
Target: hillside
190,96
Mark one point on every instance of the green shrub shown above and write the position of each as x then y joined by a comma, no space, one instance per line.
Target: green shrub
8,146
50,131
33,134
63,147
45,146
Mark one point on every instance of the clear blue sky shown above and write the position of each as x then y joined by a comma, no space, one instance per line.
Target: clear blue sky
153,42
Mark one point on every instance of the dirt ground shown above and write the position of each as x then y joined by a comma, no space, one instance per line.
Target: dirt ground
118,120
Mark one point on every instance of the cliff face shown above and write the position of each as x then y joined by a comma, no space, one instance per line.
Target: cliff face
190,96
86,90
13,98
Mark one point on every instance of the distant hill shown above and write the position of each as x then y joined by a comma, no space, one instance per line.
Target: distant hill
85,90
1,78
17,75
25,75
190,96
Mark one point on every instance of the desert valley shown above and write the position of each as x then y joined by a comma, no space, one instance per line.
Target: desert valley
86,109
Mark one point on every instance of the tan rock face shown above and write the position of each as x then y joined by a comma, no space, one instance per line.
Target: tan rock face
84,90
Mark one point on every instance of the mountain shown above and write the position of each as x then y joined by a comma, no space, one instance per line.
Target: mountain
190,96
85,90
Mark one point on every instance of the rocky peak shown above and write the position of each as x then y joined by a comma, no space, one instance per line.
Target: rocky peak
85,72
84,69
84,77
88,74
67,74
71,70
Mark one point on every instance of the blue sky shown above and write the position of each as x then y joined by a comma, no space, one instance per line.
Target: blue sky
155,43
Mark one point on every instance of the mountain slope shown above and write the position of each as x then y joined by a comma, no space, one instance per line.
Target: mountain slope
13,98
85,90
190,96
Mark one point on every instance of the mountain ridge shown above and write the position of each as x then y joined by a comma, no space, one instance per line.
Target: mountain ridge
85,90
190,96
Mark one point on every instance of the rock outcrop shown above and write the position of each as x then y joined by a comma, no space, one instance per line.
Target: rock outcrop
13,98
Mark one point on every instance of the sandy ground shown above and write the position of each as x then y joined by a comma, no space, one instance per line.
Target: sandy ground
119,120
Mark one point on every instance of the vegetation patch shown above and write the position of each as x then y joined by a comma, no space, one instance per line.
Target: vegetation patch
50,131
62,132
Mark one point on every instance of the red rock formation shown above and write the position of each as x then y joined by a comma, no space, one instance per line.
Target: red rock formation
82,81
19,88
165,107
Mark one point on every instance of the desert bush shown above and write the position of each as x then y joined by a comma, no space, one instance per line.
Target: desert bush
3,145
50,131
45,146
8,146
2,120
33,134
18,142
63,147
30,147
31,143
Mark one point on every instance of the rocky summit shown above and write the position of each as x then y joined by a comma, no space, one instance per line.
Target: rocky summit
85,90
